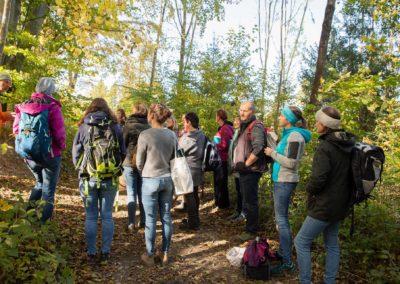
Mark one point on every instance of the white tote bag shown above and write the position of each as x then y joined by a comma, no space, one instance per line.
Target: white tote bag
181,176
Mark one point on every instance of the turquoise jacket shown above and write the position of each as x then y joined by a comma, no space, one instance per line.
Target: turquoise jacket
288,154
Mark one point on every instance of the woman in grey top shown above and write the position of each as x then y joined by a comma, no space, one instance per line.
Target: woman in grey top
155,150
192,143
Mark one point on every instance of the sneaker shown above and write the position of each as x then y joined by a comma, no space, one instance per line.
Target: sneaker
239,218
104,258
92,259
245,236
284,267
148,260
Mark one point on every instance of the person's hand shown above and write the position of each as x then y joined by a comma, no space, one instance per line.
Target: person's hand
268,151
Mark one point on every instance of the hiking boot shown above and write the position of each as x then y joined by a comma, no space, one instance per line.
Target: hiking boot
92,259
284,267
245,236
104,258
148,260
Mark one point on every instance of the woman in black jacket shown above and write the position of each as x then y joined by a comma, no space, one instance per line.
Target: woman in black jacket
134,125
328,191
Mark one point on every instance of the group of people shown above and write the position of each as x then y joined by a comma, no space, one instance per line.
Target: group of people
147,141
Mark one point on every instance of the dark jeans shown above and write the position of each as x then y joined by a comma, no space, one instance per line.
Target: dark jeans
221,191
134,188
249,189
46,176
192,203
239,199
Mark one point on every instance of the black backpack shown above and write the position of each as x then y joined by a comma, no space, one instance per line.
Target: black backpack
367,166
211,159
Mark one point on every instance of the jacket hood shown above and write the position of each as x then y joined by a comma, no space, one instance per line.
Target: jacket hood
340,138
96,118
304,132
36,107
136,119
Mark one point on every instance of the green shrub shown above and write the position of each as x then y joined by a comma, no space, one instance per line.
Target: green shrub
30,252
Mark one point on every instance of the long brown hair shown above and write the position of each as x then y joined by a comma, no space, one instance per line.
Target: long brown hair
299,114
98,104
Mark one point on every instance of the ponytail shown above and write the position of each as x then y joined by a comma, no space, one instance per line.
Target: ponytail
302,123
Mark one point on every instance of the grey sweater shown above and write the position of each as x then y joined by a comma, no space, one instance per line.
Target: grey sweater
192,144
155,150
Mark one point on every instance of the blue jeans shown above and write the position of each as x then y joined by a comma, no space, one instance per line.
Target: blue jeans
102,196
157,195
249,189
133,189
46,176
310,229
282,197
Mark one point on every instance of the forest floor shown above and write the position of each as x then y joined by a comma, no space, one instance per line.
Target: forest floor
197,257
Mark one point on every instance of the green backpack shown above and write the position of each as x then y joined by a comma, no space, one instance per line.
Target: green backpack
102,157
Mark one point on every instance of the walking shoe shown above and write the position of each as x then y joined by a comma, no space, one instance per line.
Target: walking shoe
284,267
245,236
239,218
148,260
104,258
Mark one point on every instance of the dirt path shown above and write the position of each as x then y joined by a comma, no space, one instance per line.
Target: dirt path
196,257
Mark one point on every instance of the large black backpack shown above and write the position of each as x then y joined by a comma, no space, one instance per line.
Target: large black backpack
366,165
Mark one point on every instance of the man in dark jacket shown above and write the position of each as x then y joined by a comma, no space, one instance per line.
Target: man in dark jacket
249,161
328,191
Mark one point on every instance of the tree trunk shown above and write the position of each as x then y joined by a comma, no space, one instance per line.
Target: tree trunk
15,15
5,18
159,33
35,22
182,50
322,50
282,62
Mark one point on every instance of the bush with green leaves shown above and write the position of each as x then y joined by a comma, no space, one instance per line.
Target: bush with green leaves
29,251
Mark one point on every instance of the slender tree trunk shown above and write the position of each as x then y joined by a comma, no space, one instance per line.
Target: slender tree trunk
282,45
5,18
269,19
15,15
159,34
322,50
35,22
182,50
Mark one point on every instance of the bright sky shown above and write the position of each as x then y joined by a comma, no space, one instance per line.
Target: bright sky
242,14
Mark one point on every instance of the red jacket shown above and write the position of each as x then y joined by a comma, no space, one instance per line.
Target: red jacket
226,134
